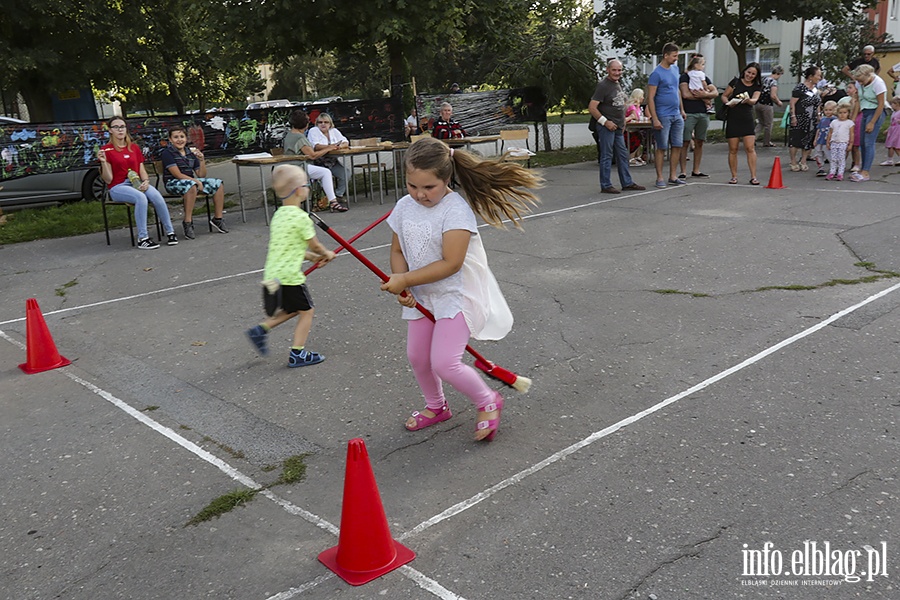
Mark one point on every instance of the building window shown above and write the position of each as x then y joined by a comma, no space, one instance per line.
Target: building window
766,57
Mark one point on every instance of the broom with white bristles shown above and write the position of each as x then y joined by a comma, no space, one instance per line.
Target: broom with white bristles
517,382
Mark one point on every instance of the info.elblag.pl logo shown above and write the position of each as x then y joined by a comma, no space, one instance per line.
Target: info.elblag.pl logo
814,564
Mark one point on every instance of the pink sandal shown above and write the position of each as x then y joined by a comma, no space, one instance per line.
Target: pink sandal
490,424
422,421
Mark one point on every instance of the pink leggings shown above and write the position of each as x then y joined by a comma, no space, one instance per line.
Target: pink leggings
435,354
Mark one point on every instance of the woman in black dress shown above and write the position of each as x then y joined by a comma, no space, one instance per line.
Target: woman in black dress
741,96
804,110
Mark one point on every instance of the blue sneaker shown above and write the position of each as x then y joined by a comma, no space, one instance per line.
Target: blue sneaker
677,182
304,358
257,336
661,183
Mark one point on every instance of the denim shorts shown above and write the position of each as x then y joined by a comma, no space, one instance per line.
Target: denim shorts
671,134
180,187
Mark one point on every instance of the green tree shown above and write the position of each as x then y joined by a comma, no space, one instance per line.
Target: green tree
409,34
555,51
643,26
834,44
55,45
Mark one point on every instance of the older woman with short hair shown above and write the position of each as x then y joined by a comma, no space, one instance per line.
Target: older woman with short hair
324,136
871,93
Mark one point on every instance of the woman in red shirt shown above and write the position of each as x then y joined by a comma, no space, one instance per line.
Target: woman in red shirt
119,156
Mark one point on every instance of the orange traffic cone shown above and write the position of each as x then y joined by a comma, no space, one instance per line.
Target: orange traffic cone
42,354
365,549
775,177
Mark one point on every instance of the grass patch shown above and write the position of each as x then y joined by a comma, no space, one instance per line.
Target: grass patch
293,469
693,294
75,218
61,291
566,156
222,505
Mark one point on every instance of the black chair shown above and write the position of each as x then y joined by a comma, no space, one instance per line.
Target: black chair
157,168
106,200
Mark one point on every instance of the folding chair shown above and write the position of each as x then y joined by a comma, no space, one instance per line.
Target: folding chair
380,168
510,135
158,171
106,200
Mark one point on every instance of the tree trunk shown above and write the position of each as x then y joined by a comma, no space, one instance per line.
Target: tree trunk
398,64
38,99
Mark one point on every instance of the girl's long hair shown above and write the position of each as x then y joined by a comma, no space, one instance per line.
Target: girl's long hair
496,190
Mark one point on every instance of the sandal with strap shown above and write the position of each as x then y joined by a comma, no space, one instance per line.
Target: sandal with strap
754,181
336,206
423,421
490,424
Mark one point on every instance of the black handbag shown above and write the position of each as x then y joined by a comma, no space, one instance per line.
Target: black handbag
722,111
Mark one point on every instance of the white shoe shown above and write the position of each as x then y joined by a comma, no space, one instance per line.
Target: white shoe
888,163
855,169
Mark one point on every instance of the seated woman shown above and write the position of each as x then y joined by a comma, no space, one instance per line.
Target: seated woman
184,174
446,128
296,143
122,168
325,137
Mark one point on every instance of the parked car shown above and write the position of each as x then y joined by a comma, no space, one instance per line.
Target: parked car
49,188
268,104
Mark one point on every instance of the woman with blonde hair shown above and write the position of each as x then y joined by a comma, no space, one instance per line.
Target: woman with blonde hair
324,136
633,114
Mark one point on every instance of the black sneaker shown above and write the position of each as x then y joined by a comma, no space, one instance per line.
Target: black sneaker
218,225
188,229
147,244
258,338
304,358
172,240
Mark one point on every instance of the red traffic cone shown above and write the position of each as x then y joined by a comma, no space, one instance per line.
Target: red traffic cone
365,549
41,352
775,177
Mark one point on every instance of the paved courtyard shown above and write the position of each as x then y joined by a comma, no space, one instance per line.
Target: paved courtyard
714,404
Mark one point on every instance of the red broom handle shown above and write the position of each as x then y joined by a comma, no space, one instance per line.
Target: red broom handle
353,239
481,362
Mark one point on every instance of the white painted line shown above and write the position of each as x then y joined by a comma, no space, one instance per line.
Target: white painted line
419,578
481,496
257,271
141,295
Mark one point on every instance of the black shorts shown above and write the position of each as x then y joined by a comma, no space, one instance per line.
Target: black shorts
289,298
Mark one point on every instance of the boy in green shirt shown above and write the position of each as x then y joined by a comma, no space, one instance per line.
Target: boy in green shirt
292,237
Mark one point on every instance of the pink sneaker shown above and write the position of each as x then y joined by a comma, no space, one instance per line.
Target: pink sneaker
838,177
829,177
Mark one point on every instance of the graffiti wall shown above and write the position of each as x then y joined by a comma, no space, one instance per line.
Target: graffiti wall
34,148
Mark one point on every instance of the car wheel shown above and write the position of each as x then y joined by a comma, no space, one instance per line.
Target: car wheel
92,186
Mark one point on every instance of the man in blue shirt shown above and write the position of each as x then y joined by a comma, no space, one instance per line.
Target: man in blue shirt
667,114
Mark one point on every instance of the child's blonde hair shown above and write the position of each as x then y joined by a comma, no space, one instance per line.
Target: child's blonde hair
493,188
637,95
843,108
895,100
830,104
286,179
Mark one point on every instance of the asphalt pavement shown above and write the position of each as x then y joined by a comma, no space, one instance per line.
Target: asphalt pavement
713,409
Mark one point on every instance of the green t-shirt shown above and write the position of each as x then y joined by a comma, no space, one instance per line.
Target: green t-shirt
293,142
289,235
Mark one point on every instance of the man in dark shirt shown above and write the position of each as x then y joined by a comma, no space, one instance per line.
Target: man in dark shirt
607,105
868,58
